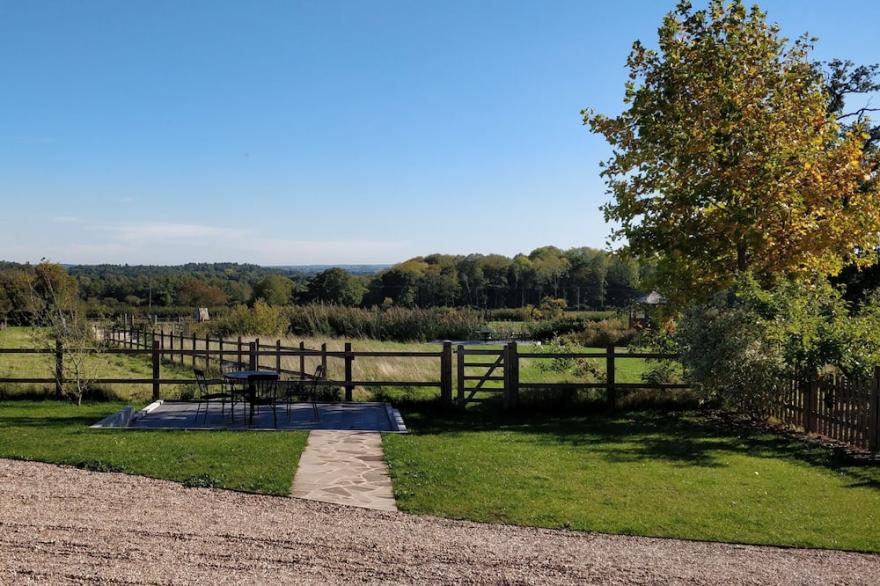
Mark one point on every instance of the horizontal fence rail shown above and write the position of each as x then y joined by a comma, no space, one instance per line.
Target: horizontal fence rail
834,407
500,379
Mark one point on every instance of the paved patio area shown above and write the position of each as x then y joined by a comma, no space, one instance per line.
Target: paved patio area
356,416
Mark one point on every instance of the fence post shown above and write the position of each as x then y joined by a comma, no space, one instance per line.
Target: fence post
207,351
253,356
257,355
460,377
511,376
324,359
610,376
812,389
59,367
302,358
446,373
348,360
278,357
220,354
156,356
182,357
874,414
239,352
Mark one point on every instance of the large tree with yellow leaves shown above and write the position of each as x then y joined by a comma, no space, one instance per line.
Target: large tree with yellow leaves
728,157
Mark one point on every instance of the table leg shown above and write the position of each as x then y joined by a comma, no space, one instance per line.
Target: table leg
252,393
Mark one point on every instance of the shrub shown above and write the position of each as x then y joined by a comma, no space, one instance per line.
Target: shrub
386,323
584,332
261,319
738,346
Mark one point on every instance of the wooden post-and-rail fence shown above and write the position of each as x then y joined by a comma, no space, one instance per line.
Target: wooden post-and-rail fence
829,406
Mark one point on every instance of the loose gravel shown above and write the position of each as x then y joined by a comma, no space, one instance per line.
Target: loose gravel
63,525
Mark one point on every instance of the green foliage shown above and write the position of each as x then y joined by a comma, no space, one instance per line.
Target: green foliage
738,346
392,323
729,157
261,319
274,290
336,286
581,331
583,277
551,308
198,293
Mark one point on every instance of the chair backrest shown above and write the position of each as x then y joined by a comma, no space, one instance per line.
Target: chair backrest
201,381
320,375
229,366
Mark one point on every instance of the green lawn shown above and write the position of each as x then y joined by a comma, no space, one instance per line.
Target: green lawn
57,432
641,474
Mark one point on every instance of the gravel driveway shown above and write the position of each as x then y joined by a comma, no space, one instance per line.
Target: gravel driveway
59,524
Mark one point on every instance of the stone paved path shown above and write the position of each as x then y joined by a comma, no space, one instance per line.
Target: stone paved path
345,467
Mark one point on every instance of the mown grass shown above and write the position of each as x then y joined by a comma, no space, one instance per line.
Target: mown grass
640,473
58,432
100,366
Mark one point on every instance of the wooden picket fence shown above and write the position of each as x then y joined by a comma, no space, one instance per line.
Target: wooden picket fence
832,406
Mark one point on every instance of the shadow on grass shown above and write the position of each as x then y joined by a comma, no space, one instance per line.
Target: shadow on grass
97,393
682,438
73,419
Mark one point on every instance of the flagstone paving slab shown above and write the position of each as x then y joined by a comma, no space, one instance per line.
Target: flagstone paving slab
345,467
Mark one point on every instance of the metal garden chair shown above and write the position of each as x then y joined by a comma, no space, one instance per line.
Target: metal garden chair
206,395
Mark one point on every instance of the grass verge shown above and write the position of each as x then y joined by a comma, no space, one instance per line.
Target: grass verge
640,474
57,432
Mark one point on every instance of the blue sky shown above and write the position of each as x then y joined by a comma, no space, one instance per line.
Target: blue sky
321,132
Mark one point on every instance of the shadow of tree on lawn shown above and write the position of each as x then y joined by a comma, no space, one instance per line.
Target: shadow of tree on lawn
686,438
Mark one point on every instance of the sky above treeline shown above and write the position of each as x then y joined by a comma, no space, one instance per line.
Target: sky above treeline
283,132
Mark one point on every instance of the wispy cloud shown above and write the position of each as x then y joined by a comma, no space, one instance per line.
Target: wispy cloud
164,231
156,242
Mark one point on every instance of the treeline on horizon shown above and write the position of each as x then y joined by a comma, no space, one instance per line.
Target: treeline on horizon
583,277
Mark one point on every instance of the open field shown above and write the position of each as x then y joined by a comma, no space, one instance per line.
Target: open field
51,431
639,474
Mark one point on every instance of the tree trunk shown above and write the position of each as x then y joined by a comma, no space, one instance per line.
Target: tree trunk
742,262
